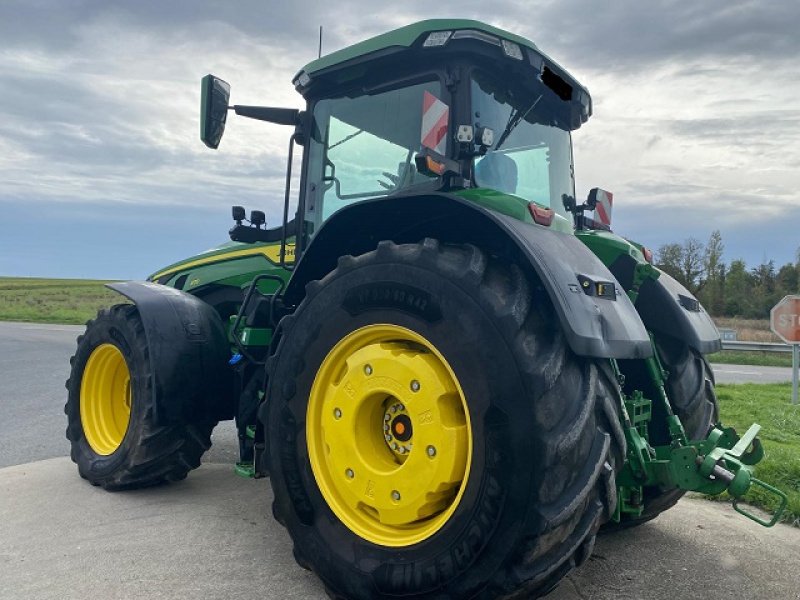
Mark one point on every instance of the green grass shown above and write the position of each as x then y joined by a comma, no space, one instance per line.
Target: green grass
53,300
770,406
761,359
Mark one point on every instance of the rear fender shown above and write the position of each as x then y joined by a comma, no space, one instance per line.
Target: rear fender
188,351
593,326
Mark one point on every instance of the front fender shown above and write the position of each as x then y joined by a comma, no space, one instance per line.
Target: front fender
593,326
668,308
189,352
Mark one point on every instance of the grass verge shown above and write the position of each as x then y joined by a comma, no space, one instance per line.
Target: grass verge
770,406
761,359
53,300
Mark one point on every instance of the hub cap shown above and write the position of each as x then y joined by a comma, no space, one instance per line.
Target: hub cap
105,399
389,437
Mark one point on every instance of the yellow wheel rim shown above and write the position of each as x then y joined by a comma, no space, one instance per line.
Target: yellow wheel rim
389,435
105,399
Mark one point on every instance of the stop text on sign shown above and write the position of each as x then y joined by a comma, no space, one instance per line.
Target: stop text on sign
785,320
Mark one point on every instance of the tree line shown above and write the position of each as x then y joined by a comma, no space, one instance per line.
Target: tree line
728,290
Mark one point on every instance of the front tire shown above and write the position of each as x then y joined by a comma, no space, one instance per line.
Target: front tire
110,410
537,427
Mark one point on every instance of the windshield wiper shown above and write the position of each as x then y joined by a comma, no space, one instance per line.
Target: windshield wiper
346,139
513,120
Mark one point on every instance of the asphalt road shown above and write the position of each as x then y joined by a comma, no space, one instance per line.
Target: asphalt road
751,374
211,536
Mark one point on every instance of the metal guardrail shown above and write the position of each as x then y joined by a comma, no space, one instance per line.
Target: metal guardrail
756,346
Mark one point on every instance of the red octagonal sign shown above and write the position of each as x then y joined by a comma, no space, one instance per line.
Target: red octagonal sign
784,319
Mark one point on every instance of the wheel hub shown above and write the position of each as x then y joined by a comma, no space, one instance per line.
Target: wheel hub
398,430
389,436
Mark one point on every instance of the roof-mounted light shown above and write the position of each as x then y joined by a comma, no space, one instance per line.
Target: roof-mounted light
476,35
436,38
303,79
511,49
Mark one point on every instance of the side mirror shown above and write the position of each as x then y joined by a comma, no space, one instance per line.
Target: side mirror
214,96
601,202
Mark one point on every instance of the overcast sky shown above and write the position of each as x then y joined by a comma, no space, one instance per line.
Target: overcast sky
696,120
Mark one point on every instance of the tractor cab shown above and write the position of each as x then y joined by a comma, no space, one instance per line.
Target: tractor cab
440,105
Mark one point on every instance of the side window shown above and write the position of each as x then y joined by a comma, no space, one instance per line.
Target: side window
362,165
364,147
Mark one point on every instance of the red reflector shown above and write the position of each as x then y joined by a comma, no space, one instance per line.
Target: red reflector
542,216
648,255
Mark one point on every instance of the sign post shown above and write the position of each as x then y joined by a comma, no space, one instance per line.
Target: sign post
784,320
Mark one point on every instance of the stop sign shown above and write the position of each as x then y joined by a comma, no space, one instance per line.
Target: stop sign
784,319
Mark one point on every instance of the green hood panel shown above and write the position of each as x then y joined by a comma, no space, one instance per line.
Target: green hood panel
231,263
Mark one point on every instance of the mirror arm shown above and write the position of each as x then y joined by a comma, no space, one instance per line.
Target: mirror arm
280,116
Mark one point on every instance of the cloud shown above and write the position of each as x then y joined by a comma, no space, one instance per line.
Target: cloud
695,104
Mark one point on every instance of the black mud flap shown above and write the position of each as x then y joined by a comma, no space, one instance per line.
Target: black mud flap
189,354
669,308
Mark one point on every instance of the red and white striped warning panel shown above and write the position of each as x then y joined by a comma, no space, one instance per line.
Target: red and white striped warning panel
435,115
602,211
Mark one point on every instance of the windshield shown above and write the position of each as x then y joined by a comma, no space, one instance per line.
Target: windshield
365,147
531,156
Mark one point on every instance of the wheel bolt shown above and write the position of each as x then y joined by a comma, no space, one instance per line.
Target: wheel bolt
396,496
415,386
387,437
368,369
337,413
349,473
431,451
387,417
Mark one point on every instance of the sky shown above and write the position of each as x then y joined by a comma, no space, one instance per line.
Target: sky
696,122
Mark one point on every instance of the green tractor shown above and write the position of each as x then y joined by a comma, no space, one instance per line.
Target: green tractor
453,376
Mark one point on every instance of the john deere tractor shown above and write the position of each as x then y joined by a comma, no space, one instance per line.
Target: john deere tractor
453,375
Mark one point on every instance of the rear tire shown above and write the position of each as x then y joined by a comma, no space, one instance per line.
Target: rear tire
110,410
544,424
690,389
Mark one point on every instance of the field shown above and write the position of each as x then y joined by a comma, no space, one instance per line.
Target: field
53,300
748,330
769,406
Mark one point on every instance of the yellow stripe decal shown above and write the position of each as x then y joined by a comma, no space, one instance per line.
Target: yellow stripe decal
271,253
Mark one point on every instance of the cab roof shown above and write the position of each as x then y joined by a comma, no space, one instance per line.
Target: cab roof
404,37
408,44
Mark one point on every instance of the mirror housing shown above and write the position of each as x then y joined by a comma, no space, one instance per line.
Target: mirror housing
214,96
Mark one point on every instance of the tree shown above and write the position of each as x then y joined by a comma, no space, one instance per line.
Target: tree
684,262
737,289
713,292
788,280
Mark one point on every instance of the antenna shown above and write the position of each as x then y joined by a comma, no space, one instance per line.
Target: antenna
319,54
